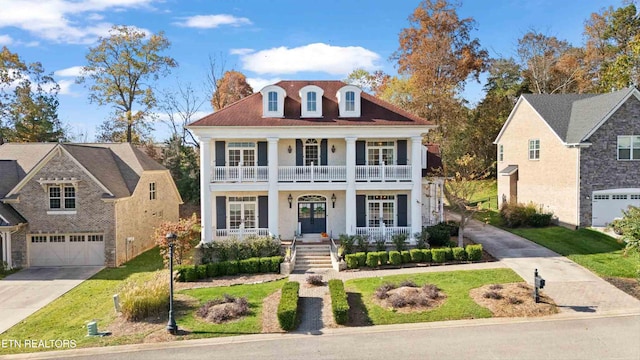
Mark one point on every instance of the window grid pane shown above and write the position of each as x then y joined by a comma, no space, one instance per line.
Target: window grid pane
350,104
273,101
311,101
311,154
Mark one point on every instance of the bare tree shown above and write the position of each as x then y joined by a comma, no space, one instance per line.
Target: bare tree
180,105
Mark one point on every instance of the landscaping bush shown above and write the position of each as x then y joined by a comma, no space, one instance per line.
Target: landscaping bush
202,271
431,291
362,243
540,220
232,308
459,254
352,261
229,268
492,295
382,292
406,257
339,303
453,226
516,215
249,266
407,283
288,306
315,280
263,246
400,241
395,258
372,259
422,239
191,274
383,257
181,272
212,270
381,245
362,258
275,263
235,249
416,255
439,235
141,299
474,252
265,265
448,254
439,255
426,255
347,242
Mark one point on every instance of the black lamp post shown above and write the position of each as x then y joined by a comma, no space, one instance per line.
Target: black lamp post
172,328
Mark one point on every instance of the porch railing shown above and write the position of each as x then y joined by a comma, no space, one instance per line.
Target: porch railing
312,173
241,233
383,172
383,232
240,174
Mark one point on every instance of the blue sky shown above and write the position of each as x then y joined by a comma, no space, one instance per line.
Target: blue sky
266,40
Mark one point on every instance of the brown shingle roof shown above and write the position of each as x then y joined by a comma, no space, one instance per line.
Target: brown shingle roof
248,111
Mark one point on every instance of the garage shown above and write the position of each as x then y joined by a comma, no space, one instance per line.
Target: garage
608,205
66,249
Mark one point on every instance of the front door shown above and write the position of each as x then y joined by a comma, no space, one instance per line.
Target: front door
312,217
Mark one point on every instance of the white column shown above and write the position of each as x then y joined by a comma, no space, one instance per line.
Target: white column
272,159
416,189
441,202
206,212
350,194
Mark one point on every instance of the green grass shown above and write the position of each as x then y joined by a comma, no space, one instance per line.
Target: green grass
252,324
487,194
592,249
67,316
455,284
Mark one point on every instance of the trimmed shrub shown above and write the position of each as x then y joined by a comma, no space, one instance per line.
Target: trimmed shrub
275,263
191,274
249,266
372,259
383,257
395,258
202,271
232,308
474,252
339,304
416,255
454,227
141,299
406,257
362,258
212,270
448,254
181,272
352,261
230,267
265,265
426,255
381,245
288,306
439,235
400,241
459,254
439,255
540,220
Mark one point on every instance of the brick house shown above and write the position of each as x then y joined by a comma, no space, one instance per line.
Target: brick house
302,158
577,155
80,204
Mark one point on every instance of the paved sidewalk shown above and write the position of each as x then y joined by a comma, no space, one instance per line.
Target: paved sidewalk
573,288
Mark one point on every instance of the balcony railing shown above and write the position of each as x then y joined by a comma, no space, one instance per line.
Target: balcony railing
383,232
383,172
240,233
240,174
312,173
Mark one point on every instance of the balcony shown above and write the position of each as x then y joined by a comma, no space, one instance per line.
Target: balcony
383,172
383,232
240,174
312,173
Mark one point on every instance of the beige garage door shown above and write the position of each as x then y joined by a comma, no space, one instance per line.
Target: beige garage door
66,249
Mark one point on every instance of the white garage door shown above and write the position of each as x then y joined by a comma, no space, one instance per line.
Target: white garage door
608,204
66,250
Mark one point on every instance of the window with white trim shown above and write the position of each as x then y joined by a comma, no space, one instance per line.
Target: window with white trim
381,151
241,153
242,210
62,197
381,208
311,152
350,103
629,147
273,101
311,101
38,238
534,149
152,191
500,152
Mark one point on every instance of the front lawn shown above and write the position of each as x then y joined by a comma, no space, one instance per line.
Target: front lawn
66,317
455,285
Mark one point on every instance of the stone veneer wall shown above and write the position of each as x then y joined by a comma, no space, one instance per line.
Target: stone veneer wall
599,165
19,248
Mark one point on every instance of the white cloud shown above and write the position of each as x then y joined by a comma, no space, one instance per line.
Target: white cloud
63,21
212,21
5,40
258,83
318,57
69,72
243,51
65,87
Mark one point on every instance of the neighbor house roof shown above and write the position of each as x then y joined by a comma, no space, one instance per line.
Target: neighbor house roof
574,116
434,161
249,110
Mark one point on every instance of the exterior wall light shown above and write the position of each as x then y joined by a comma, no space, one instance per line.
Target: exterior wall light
333,200
290,198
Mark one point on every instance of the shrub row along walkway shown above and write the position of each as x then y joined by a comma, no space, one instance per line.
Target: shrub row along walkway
573,288
312,297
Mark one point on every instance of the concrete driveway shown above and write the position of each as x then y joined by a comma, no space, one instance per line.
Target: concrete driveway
27,291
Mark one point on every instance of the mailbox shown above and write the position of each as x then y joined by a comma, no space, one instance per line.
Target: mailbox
539,284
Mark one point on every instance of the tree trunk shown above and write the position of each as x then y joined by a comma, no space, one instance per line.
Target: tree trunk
461,236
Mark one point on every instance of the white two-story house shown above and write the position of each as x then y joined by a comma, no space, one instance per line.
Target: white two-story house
302,158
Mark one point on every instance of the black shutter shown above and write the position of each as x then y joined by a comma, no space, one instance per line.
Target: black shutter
361,153
220,155
262,153
323,152
361,211
299,149
402,210
402,152
263,212
221,212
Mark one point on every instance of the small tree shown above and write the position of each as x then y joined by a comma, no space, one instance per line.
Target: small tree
187,234
630,228
462,185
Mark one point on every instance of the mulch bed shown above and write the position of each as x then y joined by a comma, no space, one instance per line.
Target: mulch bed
630,286
517,301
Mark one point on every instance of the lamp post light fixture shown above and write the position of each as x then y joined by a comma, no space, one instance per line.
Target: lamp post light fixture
290,198
333,200
172,327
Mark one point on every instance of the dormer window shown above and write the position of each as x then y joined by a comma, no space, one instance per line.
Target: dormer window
311,101
273,101
349,101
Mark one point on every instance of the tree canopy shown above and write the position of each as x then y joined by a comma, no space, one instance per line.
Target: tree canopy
231,87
